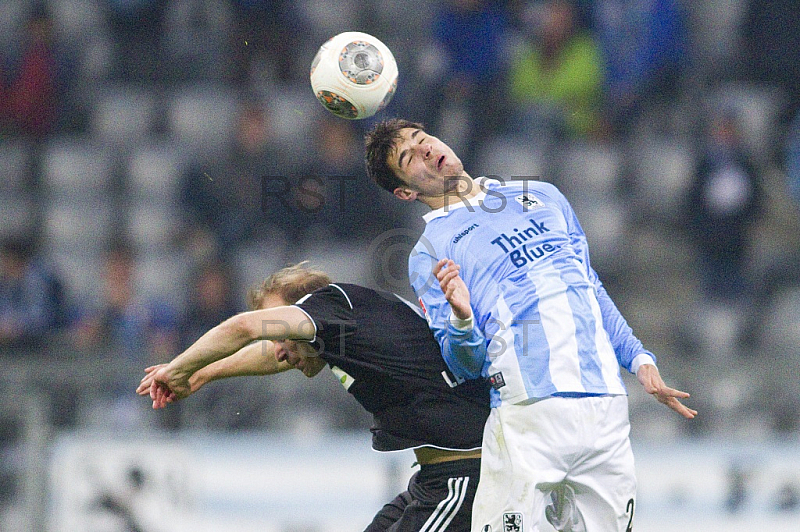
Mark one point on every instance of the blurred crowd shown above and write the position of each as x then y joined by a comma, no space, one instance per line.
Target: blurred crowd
157,158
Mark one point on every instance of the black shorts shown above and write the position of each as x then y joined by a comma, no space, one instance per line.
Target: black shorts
439,498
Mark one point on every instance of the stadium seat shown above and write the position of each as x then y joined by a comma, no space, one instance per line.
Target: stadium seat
74,168
123,114
162,276
152,226
605,221
346,263
588,169
82,226
15,167
253,262
781,329
663,172
293,116
76,20
203,117
14,14
509,158
80,269
17,216
154,170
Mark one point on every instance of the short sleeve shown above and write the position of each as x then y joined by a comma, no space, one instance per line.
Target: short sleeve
330,309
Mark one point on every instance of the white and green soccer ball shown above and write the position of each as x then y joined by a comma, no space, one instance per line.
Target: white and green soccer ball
354,75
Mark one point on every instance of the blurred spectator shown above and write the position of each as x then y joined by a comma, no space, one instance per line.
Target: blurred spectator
725,201
470,36
263,51
788,497
137,32
332,194
197,37
644,43
32,299
792,154
210,301
738,480
29,80
140,331
225,195
771,42
556,77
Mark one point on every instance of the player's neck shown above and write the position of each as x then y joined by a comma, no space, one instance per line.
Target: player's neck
467,188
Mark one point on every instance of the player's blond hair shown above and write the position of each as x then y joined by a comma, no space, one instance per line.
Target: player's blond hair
290,283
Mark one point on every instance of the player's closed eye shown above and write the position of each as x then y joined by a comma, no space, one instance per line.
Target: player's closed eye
412,154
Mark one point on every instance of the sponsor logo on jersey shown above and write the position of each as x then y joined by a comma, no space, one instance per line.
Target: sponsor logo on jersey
464,233
487,528
512,522
529,201
424,310
518,246
346,380
497,381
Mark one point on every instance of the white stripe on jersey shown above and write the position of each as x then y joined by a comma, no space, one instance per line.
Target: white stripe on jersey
558,323
503,351
609,366
344,294
448,507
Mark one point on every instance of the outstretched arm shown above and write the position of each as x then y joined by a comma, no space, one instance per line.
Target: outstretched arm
227,338
653,384
257,358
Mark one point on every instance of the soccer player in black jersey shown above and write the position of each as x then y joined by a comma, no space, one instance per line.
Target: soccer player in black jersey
383,352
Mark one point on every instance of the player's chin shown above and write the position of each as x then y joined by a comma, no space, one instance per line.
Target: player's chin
311,370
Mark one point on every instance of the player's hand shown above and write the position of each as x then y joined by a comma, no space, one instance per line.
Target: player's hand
168,386
653,384
147,380
454,288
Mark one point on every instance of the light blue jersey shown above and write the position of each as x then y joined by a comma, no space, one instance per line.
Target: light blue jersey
550,326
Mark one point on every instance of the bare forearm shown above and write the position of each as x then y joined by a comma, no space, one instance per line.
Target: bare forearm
235,333
255,359
220,342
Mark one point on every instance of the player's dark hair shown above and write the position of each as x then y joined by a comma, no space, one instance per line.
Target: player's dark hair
290,283
379,142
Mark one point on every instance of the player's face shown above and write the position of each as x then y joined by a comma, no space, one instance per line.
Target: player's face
426,164
300,355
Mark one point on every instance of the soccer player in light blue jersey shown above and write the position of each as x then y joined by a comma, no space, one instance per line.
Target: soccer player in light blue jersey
557,439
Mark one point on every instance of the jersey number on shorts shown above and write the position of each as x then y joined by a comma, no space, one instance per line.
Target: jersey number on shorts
629,508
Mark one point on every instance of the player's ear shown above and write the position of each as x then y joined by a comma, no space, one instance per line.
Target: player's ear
405,194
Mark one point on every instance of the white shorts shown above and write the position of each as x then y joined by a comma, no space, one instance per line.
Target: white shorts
568,460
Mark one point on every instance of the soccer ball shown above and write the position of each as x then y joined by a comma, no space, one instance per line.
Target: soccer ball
354,75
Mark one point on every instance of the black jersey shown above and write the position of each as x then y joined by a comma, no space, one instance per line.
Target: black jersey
383,352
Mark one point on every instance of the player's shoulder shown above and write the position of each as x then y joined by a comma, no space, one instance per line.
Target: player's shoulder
368,301
356,294
331,291
528,184
346,291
